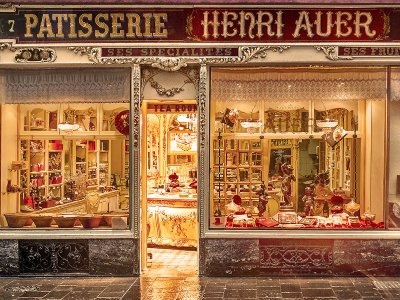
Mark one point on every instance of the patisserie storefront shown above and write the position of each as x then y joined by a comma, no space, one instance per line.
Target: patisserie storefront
262,137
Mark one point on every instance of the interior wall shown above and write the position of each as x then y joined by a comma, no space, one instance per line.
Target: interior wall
394,159
8,154
375,158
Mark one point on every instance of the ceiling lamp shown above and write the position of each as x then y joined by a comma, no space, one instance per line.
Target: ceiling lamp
251,125
68,127
327,124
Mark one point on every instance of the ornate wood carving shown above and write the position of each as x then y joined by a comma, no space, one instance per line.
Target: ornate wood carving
202,166
135,138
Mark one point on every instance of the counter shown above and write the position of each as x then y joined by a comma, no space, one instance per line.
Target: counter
172,220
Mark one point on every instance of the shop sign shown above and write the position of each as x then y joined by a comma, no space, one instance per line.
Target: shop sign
368,51
168,52
213,24
172,108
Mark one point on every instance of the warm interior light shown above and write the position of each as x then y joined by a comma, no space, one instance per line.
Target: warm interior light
251,125
327,124
68,127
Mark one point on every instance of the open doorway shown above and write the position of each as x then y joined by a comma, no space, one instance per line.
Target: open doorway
169,188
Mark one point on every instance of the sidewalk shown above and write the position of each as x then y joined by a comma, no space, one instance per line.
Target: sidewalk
194,287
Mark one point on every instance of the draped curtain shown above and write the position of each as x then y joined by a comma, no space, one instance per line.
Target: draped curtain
65,85
290,85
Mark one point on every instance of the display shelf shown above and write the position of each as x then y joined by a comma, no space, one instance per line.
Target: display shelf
237,171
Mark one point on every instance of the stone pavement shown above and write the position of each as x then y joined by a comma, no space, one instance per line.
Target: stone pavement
194,287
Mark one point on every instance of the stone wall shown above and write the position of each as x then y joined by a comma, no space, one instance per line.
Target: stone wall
299,257
99,257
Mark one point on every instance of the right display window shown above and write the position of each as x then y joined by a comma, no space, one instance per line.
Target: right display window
303,147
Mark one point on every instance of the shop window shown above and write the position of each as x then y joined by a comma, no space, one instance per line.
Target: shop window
298,148
65,149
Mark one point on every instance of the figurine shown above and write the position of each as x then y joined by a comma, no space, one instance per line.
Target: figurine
174,182
308,200
262,199
288,177
321,189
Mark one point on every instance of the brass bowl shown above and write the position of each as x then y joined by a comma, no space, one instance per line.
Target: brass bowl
42,220
17,220
65,221
90,221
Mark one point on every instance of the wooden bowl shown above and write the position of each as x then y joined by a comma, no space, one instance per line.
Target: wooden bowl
90,221
17,220
42,220
65,221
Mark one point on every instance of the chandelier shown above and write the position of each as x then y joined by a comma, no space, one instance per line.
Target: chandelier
326,124
251,124
68,127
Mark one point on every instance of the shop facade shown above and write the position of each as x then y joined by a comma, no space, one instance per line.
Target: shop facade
263,136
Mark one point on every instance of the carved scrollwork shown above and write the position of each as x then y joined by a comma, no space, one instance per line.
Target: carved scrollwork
7,46
169,64
331,52
43,55
91,52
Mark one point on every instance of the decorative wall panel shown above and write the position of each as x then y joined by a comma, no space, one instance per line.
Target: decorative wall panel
295,256
53,256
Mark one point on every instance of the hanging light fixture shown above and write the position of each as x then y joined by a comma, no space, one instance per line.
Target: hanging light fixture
251,124
68,127
327,124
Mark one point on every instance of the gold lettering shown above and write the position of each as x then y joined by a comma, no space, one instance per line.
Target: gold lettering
133,22
85,25
346,51
147,20
170,52
99,20
340,23
242,22
144,51
365,24
159,29
116,25
303,17
226,23
45,27
31,21
279,24
261,24
213,23
110,51
318,24
60,18
72,28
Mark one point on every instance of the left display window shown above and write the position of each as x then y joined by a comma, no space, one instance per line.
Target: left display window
59,164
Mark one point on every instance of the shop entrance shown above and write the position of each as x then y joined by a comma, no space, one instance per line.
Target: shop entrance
169,187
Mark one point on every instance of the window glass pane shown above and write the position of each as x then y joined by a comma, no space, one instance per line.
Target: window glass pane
65,149
298,148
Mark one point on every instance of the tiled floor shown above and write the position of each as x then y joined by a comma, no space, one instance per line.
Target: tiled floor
162,282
